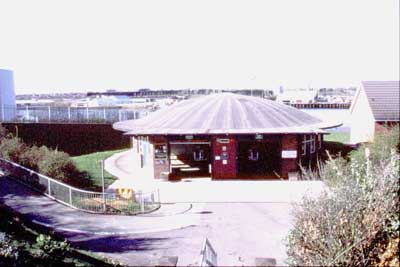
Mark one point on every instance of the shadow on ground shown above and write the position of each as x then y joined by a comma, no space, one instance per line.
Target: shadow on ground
113,244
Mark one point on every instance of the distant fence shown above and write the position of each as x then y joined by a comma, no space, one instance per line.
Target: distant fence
68,114
94,202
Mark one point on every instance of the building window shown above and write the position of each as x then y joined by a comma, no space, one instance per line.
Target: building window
304,145
160,151
253,155
199,155
308,144
312,144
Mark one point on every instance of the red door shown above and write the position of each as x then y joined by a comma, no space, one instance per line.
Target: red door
224,157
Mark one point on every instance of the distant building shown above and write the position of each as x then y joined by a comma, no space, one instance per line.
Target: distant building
376,103
7,95
296,96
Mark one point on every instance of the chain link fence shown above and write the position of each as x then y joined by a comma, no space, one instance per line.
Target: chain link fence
68,114
122,202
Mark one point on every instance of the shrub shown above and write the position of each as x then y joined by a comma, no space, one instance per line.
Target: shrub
45,248
3,132
12,148
57,165
357,218
31,157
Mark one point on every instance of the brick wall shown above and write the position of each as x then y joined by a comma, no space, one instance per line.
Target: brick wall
160,165
289,142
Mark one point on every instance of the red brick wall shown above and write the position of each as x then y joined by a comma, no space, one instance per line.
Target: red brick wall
289,142
219,169
381,127
160,165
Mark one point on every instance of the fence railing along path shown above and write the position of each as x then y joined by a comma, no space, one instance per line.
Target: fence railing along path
208,255
124,202
56,114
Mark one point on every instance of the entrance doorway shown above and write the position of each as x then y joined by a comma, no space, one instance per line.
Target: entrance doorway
259,158
189,159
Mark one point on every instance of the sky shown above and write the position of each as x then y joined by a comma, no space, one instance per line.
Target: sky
94,45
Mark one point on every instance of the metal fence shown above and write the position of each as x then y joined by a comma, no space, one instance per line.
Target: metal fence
208,256
94,202
68,114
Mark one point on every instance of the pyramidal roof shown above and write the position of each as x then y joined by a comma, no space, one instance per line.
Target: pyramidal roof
224,113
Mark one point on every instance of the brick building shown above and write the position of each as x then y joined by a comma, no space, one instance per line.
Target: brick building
226,136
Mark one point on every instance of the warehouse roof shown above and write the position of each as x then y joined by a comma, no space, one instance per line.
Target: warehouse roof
384,99
224,114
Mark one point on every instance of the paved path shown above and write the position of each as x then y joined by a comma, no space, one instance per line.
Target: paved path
46,212
130,175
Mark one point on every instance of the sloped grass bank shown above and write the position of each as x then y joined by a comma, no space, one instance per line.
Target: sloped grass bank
91,164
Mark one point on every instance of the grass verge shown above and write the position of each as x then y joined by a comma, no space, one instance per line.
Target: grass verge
91,164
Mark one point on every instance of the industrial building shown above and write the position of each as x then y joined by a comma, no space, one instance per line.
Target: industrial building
7,95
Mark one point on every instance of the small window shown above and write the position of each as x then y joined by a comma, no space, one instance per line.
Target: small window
253,155
312,144
199,155
304,145
160,151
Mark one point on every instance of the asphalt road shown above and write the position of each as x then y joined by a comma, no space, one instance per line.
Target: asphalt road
239,232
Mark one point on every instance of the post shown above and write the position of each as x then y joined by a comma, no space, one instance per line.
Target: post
104,114
119,114
69,114
141,199
27,112
102,184
48,185
2,112
70,195
49,112
87,113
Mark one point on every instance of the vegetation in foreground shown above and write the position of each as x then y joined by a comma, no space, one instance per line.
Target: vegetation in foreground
356,222
83,171
21,245
91,164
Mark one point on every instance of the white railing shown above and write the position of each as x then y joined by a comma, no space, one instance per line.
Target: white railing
89,201
208,256
68,114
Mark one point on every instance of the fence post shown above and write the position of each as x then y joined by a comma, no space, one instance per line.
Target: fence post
119,115
102,183
2,112
69,114
48,185
49,108
27,112
70,195
87,113
141,201
104,114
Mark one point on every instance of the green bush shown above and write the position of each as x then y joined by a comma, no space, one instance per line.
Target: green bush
3,132
349,224
12,148
58,165
32,156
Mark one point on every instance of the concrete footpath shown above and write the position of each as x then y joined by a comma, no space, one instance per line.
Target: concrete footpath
54,215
